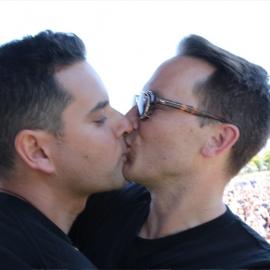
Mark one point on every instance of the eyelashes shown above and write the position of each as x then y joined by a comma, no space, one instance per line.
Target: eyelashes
101,120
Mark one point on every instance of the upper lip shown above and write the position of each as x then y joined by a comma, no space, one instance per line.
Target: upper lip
125,149
128,144
125,153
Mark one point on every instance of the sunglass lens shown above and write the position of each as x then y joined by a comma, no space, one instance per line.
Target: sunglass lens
141,101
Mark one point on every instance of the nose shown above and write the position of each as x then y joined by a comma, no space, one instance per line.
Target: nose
132,116
123,126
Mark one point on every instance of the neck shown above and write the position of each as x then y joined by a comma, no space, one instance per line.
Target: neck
60,208
174,209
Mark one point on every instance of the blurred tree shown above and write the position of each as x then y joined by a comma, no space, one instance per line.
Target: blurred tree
257,161
266,160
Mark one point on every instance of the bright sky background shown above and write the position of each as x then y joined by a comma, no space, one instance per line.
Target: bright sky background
127,40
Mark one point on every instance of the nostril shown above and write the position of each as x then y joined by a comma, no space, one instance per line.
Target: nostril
125,134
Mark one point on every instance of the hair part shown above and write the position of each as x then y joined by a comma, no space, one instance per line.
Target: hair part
238,91
30,96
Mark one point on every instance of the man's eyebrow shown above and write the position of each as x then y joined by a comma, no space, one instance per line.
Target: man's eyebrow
100,105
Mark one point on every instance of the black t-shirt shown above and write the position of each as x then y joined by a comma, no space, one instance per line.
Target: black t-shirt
29,240
107,233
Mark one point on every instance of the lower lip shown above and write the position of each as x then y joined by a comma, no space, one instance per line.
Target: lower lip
129,157
124,158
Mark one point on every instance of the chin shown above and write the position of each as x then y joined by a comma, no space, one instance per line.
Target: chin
129,176
118,183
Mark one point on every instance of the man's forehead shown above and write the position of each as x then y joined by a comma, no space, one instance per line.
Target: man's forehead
182,68
177,77
182,64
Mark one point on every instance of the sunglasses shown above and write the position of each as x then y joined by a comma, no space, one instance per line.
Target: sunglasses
147,101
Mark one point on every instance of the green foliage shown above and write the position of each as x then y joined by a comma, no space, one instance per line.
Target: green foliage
266,160
258,162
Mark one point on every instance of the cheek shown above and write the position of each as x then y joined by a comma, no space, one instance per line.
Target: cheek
103,148
156,143
159,133
165,141
93,144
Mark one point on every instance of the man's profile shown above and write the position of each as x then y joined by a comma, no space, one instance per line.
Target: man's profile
60,141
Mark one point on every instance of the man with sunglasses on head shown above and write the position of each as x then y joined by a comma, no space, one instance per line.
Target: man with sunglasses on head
201,117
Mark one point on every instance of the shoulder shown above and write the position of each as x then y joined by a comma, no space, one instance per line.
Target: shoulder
134,193
110,208
11,261
251,248
130,194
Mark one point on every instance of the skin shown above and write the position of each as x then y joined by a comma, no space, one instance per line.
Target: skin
91,154
56,174
176,158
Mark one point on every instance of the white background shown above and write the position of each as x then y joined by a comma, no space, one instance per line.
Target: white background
127,40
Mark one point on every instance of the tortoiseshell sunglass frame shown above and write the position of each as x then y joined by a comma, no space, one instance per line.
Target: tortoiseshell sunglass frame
151,99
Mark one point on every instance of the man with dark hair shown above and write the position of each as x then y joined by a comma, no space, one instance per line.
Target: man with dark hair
60,141
200,119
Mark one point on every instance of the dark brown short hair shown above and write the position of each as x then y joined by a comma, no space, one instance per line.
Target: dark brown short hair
238,91
30,97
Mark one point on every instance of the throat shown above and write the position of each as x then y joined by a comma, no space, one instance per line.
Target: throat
174,214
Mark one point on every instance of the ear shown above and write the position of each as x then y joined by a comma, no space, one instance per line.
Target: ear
33,146
222,140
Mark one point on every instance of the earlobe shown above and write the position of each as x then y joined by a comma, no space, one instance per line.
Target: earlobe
31,146
224,138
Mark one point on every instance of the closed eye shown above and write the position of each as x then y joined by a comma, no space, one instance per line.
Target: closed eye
101,120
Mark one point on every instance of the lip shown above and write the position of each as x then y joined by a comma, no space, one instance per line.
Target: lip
128,151
125,157
129,155
125,152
